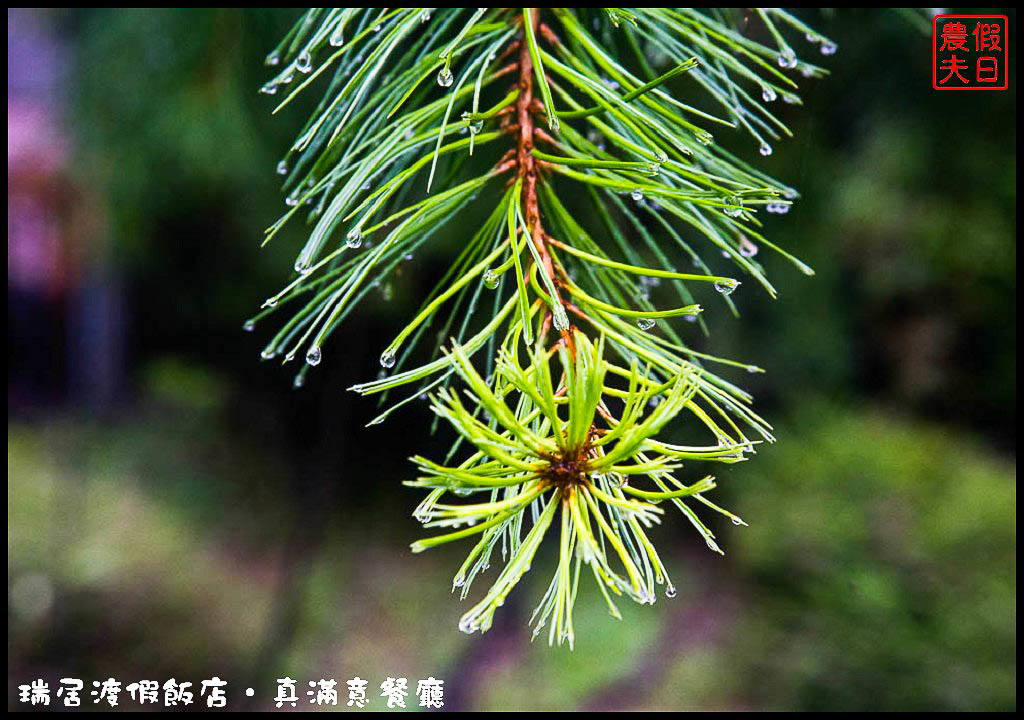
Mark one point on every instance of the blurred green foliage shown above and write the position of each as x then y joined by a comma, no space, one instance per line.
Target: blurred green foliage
882,566
180,148
878,573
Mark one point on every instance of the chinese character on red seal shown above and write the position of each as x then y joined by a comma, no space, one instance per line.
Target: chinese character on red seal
969,52
954,35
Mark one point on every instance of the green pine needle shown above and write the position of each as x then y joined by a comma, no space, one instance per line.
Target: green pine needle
610,211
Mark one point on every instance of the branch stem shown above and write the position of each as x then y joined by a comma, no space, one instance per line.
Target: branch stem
526,105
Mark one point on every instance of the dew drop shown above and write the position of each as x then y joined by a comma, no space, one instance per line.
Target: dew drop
314,356
768,94
444,78
490,280
475,126
765,149
787,59
302,267
737,521
424,16
645,323
726,287
299,381
249,325
670,591
304,63
273,58
338,37
387,359
376,28
354,238
828,48
733,207
637,195
269,88
560,321
268,354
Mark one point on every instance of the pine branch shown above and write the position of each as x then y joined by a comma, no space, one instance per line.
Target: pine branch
612,103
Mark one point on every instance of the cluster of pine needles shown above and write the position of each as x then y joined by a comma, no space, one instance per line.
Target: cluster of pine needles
571,149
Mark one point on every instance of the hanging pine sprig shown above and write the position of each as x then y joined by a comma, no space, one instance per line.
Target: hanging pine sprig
426,113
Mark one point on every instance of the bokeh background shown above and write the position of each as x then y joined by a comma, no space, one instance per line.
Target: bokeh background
176,509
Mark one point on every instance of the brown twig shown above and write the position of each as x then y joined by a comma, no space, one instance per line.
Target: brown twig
526,106
548,34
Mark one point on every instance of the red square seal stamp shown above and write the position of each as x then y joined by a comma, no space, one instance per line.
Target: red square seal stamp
970,52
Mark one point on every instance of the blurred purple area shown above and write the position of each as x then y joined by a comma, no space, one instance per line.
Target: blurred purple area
62,301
